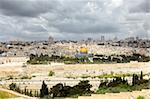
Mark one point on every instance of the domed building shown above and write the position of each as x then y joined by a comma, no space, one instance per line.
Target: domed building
83,50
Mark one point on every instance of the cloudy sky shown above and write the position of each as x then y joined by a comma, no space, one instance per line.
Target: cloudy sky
73,19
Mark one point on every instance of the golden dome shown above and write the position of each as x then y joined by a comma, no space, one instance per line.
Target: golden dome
83,50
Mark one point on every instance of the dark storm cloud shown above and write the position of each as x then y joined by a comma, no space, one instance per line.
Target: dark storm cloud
36,19
84,17
26,8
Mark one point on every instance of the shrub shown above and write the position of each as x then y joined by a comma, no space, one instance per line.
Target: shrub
116,89
51,73
140,97
26,77
10,77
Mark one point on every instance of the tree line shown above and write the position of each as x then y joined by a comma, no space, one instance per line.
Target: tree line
59,90
121,58
45,59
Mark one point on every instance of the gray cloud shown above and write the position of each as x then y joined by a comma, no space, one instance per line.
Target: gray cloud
79,18
26,8
142,7
66,19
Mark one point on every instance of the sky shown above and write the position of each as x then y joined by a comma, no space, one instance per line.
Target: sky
73,19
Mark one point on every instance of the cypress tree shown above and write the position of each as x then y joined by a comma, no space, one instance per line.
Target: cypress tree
25,91
141,76
136,79
30,93
133,80
44,90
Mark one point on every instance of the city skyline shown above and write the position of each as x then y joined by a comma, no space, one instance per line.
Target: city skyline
73,19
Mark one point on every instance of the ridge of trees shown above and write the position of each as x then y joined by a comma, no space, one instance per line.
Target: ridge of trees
45,59
60,90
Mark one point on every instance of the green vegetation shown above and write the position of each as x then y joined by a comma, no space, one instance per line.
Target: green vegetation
45,59
140,97
60,90
119,84
121,58
97,59
51,73
5,95
105,75
26,77
111,75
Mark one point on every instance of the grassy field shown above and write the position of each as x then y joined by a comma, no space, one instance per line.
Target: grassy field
5,95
